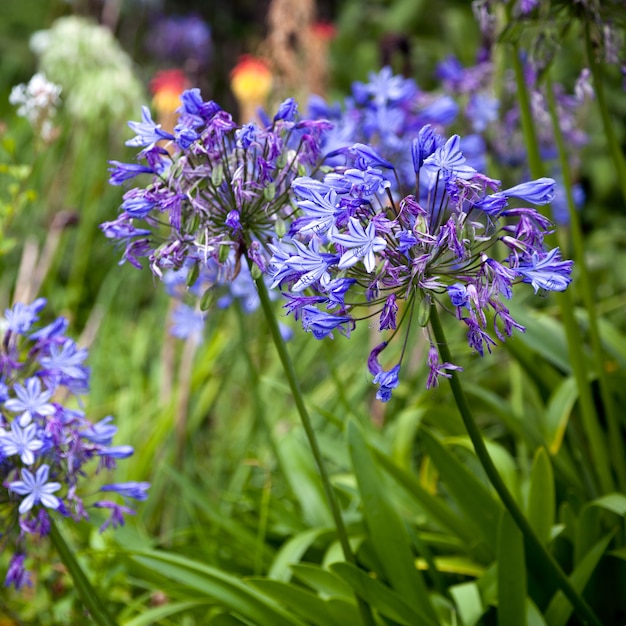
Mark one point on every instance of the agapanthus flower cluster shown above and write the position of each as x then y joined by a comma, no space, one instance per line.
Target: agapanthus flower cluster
49,451
37,101
217,193
360,251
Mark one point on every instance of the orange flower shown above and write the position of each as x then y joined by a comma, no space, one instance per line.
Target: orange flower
166,88
251,81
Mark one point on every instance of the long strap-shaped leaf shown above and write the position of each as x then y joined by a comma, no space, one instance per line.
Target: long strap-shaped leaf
387,532
87,593
225,589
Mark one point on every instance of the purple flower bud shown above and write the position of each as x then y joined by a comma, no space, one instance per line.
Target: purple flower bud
388,314
17,575
135,490
287,111
322,324
458,295
121,172
232,220
117,452
540,191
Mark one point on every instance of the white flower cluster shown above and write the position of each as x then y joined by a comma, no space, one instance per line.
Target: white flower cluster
37,101
98,79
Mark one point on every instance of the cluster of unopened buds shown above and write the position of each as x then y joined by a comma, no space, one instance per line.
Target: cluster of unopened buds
49,451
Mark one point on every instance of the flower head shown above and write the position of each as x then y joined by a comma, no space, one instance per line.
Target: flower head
48,451
437,243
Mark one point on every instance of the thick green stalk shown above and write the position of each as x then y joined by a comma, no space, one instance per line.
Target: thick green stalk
296,392
616,442
532,541
259,408
87,593
609,131
566,304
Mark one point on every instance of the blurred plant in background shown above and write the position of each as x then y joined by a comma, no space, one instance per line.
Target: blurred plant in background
86,61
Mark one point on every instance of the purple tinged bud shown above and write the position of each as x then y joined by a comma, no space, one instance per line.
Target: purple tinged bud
246,135
387,381
135,490
364,156
117,513
117,452
121,172
540,191
388,314
17,575
435,369
492,205
322,324
232,220
287,111
458,295
423,146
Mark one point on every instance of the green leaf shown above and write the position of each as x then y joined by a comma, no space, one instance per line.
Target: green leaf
541,497
435,507
151,616
239,533
300,601
499,455
559,609
292,551
324,582
534,617
223,588
86,592
300,470
511,574
380,597
474,498
468,602
406,425
544,335
387,531
589,529
558,412
225,619
343,612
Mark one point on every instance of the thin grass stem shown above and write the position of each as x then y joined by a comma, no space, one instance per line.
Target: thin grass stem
565,301
616,442
609,131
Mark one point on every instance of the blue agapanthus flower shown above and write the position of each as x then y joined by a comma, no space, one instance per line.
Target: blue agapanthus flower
214,199
49,452
452,239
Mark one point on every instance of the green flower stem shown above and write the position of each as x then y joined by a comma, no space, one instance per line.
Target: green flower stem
87,593
548,563
294,385
616,442
564,299
609,131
